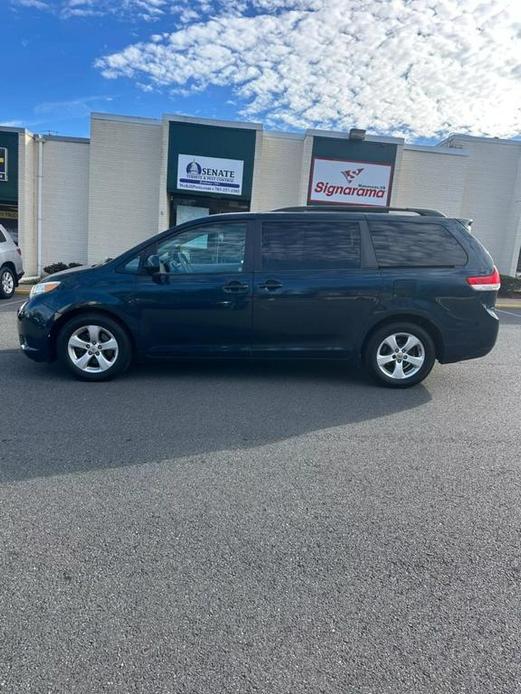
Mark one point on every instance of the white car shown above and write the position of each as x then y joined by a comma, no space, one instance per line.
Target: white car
11,267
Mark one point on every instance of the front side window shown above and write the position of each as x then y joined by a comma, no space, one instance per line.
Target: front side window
310,245
415,244
133,266
208,248
218,247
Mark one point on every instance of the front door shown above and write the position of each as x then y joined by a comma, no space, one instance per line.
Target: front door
312,298
184,208
199,299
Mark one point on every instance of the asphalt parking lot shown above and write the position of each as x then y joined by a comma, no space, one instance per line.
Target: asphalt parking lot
278,528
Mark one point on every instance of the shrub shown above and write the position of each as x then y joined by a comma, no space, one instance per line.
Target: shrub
54,267
510,286
58,267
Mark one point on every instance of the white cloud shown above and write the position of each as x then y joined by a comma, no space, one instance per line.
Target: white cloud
419,67
74,108
36,4
147,10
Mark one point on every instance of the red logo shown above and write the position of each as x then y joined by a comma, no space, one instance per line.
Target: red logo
351,174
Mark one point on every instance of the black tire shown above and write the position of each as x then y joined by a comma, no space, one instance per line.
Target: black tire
8,277
383,373
118,358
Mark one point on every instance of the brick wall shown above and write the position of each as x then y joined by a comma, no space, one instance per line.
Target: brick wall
124,175
276,181
27,170
65,201
492,196
432,179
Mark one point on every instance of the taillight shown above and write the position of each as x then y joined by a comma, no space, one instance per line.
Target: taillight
486,283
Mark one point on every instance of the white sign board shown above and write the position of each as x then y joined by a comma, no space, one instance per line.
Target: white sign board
350,182
209,174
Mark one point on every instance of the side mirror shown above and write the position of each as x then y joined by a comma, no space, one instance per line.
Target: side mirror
152,265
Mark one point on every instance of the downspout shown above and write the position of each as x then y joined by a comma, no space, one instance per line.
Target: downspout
39,205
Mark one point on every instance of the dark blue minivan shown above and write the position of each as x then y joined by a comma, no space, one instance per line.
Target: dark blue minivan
395,289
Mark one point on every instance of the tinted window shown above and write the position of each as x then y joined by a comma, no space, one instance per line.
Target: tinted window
415,244
310,245
2,237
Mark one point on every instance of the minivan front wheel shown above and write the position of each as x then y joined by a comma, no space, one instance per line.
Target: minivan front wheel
400,355
94,347
7,283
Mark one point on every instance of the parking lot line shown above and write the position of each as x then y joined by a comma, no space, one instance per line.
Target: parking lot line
509,313
12,308
11,302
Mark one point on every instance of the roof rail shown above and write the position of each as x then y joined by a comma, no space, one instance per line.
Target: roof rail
424,212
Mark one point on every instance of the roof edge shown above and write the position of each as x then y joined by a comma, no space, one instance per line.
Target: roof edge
437,149
344,135
479,138
96,115
243,125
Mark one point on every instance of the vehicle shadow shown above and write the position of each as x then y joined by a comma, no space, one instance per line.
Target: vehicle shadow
174,409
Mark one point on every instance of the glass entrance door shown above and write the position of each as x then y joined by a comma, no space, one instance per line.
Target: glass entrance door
9,219
183,208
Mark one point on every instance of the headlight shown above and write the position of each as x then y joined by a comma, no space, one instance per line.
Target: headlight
43,288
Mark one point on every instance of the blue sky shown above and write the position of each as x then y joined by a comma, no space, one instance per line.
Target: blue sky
53,85
417,68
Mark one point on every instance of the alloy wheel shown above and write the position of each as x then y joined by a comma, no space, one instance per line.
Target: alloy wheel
93,349
7,282
400,355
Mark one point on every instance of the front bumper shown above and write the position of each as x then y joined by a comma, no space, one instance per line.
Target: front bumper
35,322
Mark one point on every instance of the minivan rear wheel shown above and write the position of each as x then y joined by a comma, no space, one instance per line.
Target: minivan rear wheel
400,355
7,283
94,347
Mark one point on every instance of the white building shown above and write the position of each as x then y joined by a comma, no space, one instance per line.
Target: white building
82,200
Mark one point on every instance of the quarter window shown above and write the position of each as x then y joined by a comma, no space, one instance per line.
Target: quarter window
415,244
310,245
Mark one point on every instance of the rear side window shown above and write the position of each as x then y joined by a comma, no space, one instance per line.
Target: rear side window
310,245
415,244
2,237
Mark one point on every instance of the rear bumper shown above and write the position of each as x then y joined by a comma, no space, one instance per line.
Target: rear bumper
472,340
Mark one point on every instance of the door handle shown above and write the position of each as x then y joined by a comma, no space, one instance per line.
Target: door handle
271,285
235,287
